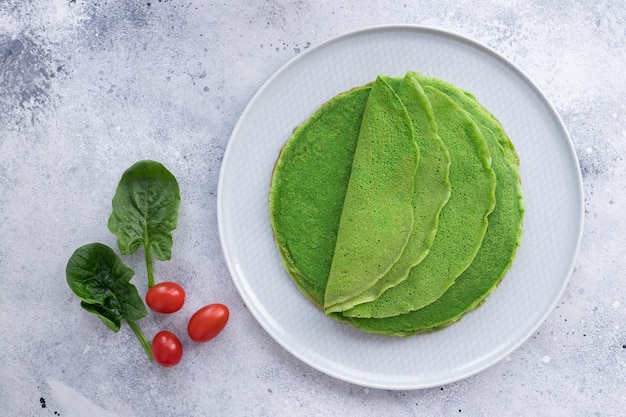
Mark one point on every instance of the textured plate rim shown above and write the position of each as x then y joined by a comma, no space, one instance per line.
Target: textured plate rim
249,298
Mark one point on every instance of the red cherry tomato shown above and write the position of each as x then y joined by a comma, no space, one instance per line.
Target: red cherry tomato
165,297
207,322
166,348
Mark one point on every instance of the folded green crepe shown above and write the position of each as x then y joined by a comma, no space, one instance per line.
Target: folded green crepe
312,174
430,193
462,223
499,245
308,179
377,215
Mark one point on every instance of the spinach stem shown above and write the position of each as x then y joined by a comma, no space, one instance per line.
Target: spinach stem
142,339
149,265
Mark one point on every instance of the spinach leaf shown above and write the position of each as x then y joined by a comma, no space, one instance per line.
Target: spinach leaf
100,279
145,212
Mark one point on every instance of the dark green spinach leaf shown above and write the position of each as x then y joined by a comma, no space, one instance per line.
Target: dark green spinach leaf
145,212
100,279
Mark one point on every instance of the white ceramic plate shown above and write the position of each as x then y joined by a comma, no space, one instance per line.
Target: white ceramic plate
551,182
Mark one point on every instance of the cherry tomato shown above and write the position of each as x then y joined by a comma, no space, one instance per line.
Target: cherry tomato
207,322
165,297
166,348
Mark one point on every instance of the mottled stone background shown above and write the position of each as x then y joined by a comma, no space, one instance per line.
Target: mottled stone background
88,87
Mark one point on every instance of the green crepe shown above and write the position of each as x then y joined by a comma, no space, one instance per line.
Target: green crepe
312,173
462,223
431,187
308,180
499,246
308,188
377,214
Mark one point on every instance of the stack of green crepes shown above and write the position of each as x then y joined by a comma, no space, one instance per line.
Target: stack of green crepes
397,206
